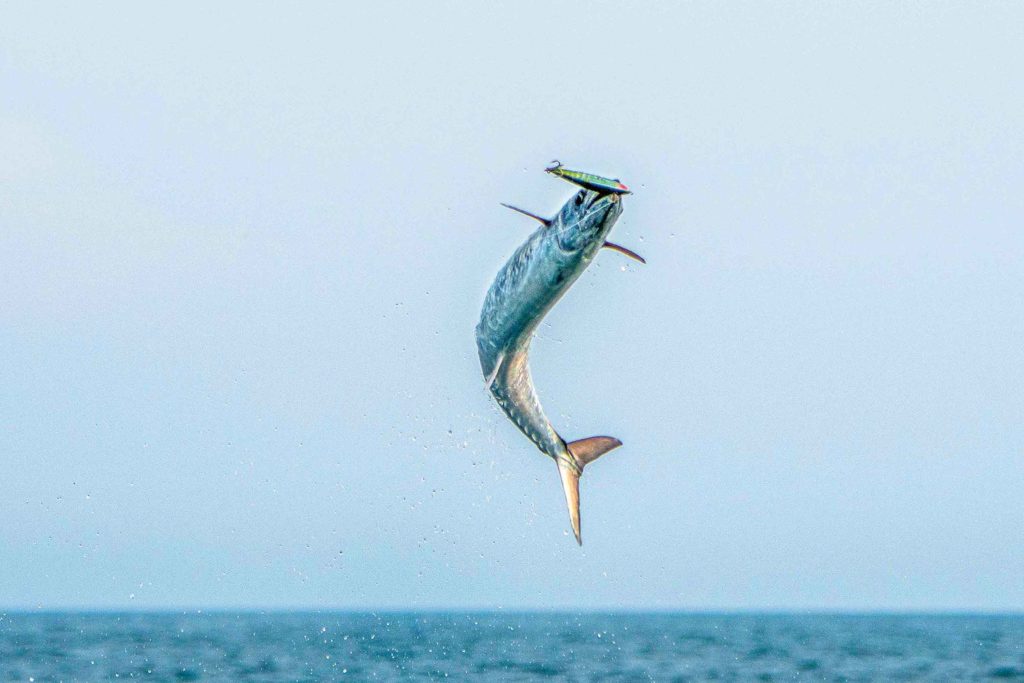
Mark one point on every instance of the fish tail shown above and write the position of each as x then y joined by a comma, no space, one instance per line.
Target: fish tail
582,452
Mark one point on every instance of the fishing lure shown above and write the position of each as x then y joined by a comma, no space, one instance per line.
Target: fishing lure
588,181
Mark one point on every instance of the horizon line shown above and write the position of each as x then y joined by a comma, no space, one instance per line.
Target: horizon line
459,610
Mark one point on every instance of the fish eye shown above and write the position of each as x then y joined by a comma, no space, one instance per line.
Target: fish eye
579,199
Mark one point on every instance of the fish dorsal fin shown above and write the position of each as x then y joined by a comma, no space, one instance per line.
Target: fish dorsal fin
545,221
622,250
590,449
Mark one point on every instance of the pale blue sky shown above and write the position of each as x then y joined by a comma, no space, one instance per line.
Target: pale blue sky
242,252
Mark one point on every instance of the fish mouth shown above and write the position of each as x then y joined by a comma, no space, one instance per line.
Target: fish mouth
602,208
592,217
608,198
606,202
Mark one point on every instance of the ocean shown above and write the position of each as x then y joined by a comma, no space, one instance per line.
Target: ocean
497,646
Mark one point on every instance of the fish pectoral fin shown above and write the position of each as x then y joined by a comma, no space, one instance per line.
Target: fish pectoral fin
622,250
545,221
590,449
494,373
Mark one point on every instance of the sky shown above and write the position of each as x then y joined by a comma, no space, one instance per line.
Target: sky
243,249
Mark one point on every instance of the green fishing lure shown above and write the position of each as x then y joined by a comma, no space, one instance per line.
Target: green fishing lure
588,180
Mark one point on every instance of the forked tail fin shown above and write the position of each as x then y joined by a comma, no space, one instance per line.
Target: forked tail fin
584,452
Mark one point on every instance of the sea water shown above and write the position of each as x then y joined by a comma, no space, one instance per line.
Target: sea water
501,646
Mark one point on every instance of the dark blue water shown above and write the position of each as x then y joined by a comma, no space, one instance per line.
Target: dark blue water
508,647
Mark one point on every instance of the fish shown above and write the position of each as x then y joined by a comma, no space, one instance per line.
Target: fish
588,181
530,283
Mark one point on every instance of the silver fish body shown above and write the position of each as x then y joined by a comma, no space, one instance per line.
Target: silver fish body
536,276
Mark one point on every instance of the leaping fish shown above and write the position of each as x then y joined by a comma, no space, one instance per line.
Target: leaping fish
525,289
